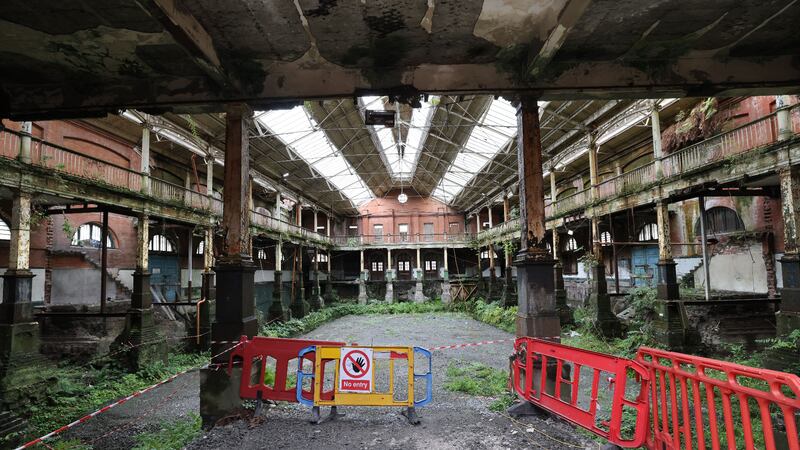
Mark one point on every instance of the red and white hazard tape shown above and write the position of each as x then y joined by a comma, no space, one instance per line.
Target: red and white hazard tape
102,410
472,344
115,404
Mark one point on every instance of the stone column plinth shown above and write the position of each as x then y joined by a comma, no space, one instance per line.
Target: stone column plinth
537,315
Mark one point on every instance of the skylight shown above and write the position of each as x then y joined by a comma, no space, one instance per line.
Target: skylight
493,131
401,158
300,133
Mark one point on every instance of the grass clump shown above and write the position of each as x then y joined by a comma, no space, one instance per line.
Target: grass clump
476,379
78,391
172,436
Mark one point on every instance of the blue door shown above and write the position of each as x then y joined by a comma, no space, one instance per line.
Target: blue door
644,262
165,275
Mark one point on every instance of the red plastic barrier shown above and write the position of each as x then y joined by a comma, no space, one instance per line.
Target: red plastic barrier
258,350
602,411
693,403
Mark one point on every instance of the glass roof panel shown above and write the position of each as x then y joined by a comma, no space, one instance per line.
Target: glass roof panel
401,158
298,130
493,131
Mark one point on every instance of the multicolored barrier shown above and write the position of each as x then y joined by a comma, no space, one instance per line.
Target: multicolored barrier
262,355
666,400
359,379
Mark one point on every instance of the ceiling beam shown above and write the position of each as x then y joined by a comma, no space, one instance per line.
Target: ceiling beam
191,36
568,18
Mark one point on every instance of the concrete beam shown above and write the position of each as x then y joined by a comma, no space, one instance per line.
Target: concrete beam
190,34
568,18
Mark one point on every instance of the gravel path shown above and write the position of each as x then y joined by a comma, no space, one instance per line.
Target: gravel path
452,421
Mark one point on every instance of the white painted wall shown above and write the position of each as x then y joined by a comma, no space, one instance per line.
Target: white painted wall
740,272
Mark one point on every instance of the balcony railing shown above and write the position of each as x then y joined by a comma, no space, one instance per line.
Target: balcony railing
747,137
509,227
270,223
62,160
401,239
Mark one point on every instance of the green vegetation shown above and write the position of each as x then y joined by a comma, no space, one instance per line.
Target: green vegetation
315,319
491,313
172,436
476,379
80,390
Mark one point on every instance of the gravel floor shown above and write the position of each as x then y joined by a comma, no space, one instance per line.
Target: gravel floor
453,420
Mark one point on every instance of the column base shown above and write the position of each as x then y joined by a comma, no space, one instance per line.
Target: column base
278,312
419,294
22,367
447,297
667,287
565,313
328,296
536,316
316,302
507,298
362,292
17,289
219,394
140,344
389,298
671,327
235,314
605,320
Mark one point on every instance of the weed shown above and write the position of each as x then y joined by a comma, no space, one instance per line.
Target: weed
476,379
502,403
78,391
173,435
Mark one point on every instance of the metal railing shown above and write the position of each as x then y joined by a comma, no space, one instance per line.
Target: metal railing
66,161
270,223
398,239
744,138
510,226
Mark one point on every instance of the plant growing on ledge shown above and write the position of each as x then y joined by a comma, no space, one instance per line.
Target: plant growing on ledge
510,246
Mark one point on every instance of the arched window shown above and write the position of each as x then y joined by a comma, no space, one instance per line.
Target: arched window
5,232
89,235
570,245
648,232
201,248
261,254
321,257
720,220
605,238
159,243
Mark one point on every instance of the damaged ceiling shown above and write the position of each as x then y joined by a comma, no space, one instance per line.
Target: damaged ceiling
77,58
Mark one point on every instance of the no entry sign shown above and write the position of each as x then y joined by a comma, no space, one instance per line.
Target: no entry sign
355,370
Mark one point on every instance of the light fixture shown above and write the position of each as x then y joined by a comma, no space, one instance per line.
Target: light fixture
286,175
570,232
402,198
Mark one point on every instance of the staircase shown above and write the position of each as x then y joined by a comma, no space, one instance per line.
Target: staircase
122,291
10,423
686,267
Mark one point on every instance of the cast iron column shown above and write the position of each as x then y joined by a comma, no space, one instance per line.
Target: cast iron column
140,326
605,320
447,297
362,281
235,315
670,326
564,311
19,331
788,318
537,314
277,309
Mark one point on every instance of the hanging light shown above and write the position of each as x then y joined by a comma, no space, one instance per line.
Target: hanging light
402,198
